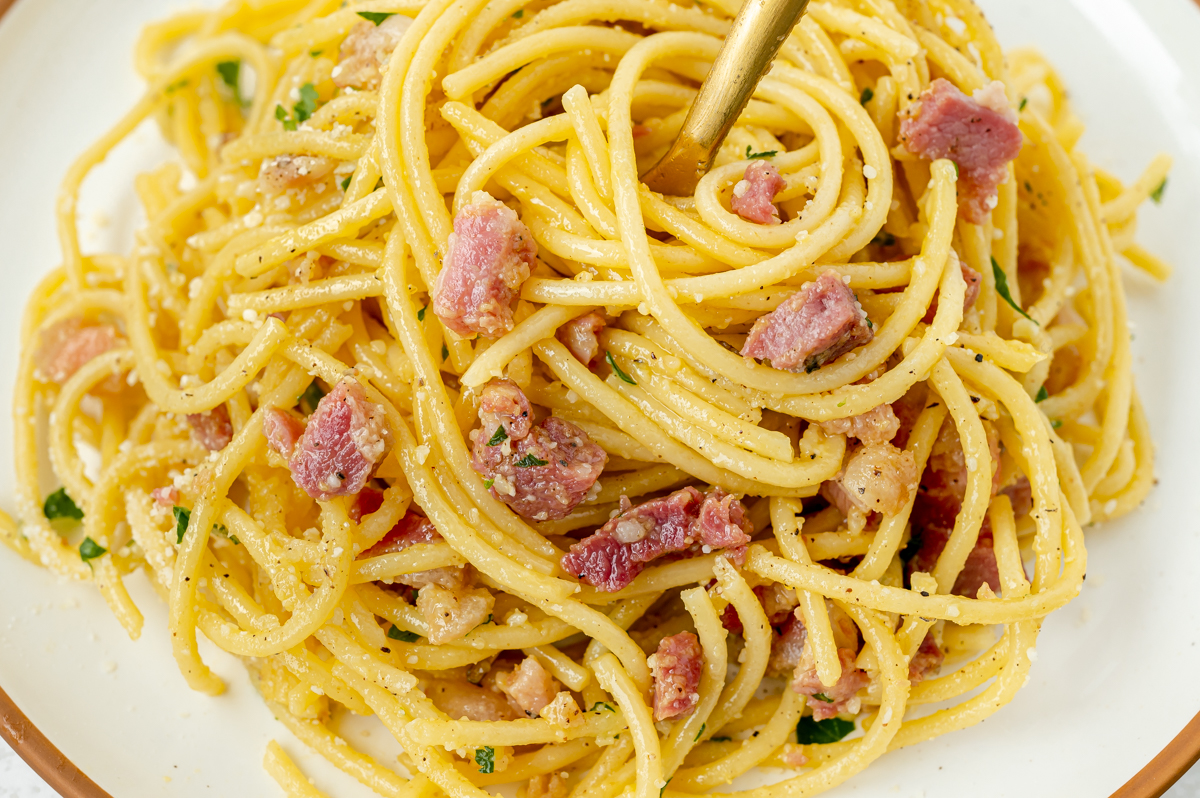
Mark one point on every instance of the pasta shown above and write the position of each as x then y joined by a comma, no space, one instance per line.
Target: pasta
413,397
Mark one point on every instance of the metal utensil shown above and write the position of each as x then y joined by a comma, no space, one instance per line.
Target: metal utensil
760,29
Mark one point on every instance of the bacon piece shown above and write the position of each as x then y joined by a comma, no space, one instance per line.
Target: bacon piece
542,471
611,557
460,700
973,280
877,425
452,613
754,195
413,530
282,430
285,172
580,336
368,501
676,666
365,50
69,345
1020,493
787,649
978,133
165,497
878,478
529,688
926,661
212,429
343,441
816,325
842,696
488,259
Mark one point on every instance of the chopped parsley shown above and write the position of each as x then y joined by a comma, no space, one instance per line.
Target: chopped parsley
346,182
822,732
520,12
230,72
311,398
884,239
60,505
1042,394
445,352
498,437
600,706
867,95
315,53
1157,194
421,313
1056,423
823,697
176,86
751,155
302,111
396,633
664,787
955,165
1002,289
621,375
529,461
487,483
486,759
282,116
90,550
703,726
182,516
1024,102
377,17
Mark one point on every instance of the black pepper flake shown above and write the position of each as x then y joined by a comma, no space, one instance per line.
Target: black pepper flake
979,358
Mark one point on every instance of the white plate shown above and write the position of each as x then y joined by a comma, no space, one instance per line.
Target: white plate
1115,678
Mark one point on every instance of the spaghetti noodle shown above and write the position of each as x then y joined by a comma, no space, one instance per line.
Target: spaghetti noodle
413,397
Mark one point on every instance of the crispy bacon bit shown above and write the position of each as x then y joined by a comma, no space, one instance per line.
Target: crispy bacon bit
879,478
165,497
973,280
282,430
461,700
978,133
842,695
368,501
687,519
452,613
547,785
877,425
580,336
676,666
529,688
212,429
787,649
343,441
69,345
754,195
488,259
814,326
926,661
412,530
542,471
366,49
285,172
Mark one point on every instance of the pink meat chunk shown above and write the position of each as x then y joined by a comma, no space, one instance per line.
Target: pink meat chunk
285,172
754,195
345,438
212,429
685,521
488,259
460,700
366,49
165,497
282,430
581,336
878,425
826,702
979,133
541,471
368,501
926,661
777,602
413,530
973,280
69,345
814,326
529,687
677,666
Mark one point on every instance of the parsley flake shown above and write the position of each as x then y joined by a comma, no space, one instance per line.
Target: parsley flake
421,313
1042,394
487,483
884,239
315,53
182,516
600,706
230,72
445,352
396,633
1005,294
346,182
1024,102
1157,194
703,726
752,156
1056,423
664,787
520,12
307,104
822,732
867,96
282,116
486,759
90,550
529,461
621,375
60,505
498,437
378,17
311,398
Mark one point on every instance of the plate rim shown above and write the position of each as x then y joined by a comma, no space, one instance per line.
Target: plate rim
65,777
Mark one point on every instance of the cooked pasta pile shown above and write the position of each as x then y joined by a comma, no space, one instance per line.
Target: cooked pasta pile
410,395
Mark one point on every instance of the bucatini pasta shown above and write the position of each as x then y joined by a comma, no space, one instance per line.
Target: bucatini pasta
412,396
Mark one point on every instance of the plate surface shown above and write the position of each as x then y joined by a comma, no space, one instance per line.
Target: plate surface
1114,681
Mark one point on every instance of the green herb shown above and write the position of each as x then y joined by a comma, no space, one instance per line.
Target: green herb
445,352
315,53
60,505
176,86
90,550
489,619
486,759
498,437
720,739
236,542
601,705
617,369
304,108
703,726
282,116
421,313
311,398
1042,394
870,324
751,155
396,633
378,17
1024,102
955,165
1002,289
867,96
809,731
346,182
230,72
823,697
1157,194
1056,423
664,787
520,12
378,184
487,483
811,367
182,516
884,239
530,460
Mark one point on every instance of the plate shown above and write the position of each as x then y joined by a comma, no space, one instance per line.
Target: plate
1114,681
